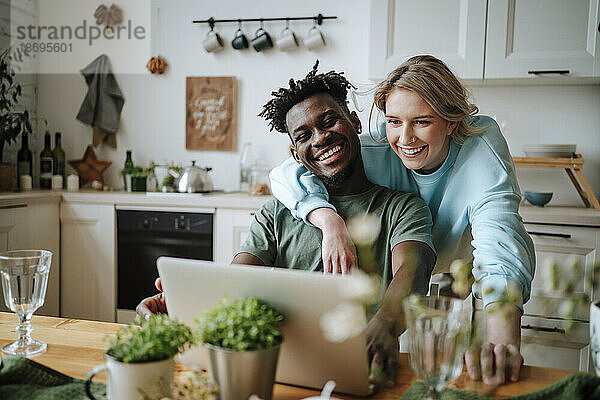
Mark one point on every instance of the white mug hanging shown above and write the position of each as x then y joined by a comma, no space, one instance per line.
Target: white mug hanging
213,42
287,39
314,39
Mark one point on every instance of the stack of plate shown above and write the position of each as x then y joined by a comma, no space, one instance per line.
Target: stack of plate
549,150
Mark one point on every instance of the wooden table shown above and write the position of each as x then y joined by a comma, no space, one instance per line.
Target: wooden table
75,346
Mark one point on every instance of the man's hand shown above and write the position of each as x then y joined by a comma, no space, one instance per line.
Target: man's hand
338,251
153,305
500,359
382,352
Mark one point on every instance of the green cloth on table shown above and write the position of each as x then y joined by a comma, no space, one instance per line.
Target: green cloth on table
572,387
21,378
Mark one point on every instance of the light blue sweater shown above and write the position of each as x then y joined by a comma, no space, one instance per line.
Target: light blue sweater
474,200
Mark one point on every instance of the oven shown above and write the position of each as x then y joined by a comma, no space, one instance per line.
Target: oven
143,235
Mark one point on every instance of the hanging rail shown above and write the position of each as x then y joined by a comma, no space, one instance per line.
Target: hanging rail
211,21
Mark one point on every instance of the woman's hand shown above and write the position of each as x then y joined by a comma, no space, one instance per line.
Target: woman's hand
500,359
338,251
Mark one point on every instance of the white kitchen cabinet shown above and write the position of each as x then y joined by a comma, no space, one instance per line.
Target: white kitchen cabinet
544,36
88,279
34,225
12,227
490,40
545,341
452,30
231,229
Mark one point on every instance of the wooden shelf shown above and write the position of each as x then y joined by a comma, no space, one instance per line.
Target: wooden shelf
573,166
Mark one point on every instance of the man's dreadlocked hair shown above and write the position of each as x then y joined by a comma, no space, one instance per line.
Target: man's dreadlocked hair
332,83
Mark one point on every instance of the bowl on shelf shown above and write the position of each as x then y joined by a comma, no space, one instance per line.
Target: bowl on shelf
538,199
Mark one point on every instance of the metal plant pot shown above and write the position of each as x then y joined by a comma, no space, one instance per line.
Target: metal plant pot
240,374
138,183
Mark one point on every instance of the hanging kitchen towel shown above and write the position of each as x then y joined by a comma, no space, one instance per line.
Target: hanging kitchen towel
102,105
21,378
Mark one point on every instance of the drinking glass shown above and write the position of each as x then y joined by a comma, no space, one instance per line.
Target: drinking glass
438,330
24,279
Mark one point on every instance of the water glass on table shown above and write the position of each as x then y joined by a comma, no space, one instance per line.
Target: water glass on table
24,275
438,331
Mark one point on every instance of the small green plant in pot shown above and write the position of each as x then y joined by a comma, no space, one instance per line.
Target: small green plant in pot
140,358
135,178
243,339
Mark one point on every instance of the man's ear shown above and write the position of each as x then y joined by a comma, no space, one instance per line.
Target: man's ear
294,154
356,122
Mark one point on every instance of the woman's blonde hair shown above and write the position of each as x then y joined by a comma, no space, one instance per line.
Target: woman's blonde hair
431,79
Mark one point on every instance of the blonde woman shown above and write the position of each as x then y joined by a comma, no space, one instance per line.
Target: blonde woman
460,165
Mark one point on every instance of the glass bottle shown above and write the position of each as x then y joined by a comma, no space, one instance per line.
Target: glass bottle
128,161
24,158
46,164
58,157
127,171
246,162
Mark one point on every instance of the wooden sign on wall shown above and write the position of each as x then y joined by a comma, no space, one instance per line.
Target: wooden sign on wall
211,105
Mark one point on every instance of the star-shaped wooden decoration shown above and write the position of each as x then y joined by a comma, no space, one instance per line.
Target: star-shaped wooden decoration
89,167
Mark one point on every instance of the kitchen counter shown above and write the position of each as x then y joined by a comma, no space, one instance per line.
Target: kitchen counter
239,200
555,215
559,215
38,196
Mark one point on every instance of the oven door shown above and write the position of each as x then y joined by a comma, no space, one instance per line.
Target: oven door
143,236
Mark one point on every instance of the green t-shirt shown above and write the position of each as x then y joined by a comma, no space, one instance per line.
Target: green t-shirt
280,240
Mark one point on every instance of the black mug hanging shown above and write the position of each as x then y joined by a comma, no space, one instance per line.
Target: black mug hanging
239,42
262,40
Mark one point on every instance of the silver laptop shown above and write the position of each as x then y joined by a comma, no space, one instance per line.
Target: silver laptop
307,358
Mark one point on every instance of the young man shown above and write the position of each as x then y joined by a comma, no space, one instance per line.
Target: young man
324,136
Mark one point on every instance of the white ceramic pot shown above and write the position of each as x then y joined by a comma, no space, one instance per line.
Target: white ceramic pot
595,335
125,380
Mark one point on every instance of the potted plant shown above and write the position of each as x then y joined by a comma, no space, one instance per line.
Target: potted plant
140,358
12,122
135,178
243,340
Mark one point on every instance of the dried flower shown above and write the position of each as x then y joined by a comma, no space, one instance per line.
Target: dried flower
192,385
461,272
564,282
362,287
364,229
343,322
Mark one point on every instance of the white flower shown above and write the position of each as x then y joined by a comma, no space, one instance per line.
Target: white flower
363,229
362,287
343,322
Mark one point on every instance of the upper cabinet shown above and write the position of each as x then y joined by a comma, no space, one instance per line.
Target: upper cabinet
528,37
494,39
452,30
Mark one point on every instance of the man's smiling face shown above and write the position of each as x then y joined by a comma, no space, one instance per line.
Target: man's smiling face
324,137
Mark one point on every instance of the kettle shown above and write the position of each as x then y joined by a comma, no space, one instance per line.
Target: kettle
193,179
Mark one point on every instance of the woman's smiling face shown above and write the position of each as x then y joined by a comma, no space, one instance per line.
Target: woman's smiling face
419,136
